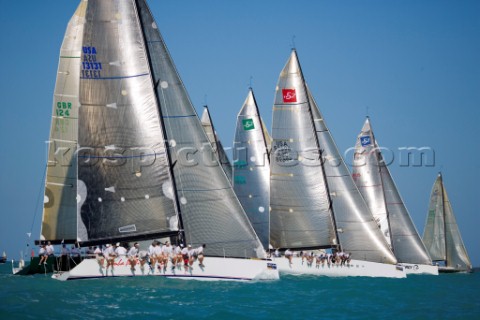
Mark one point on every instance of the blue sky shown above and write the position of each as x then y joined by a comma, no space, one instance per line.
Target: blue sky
412,65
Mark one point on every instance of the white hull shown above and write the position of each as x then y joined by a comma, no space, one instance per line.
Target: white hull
356,268
411,268
213,269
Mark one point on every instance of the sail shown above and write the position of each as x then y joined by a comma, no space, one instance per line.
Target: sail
220,154
300,207
376,184
209,209
367,176
124,182
251,169
434,233
457,256
441,235
357,230
59,220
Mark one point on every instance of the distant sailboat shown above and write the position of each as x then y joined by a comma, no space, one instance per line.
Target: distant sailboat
125,162
376,184
217,146
442,236
314,202
251,168
3,258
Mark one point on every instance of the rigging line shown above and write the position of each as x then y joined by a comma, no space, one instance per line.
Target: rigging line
42,185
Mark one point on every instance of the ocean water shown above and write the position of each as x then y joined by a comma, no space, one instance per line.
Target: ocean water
449,296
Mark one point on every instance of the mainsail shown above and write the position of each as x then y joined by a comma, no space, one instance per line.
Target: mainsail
251,169
140,172
217,146
441,235
376,184
314,200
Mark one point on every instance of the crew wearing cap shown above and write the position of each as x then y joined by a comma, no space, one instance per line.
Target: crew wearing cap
177,254
120,250
110,254
185,257
132,255
191,255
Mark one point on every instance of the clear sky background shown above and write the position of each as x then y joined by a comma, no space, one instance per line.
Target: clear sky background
412,65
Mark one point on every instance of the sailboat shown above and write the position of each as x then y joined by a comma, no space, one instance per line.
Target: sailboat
376,184
442,236
125,160
251,168
217,146
3,258
314,202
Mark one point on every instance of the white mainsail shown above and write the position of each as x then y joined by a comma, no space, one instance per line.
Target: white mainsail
251,170
442,236
315,203
137,171
376,184
220,155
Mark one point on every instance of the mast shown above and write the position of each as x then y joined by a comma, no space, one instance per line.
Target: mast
181,230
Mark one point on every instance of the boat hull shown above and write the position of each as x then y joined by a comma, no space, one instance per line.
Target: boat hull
453,270
356,268
411,268
214,269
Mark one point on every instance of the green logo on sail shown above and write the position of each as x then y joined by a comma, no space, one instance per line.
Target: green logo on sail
248,124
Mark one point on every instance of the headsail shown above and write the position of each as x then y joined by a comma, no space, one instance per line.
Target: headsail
251,169
376,184
210,210
441,235
59,220
217,146
357,230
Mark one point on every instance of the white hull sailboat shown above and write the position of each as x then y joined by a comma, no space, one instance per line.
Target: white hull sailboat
373,179
442,236
126,158
314,201
354,268
213,268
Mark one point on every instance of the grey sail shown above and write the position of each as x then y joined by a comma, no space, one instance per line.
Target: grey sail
60,206
251,168
210,212
358,232
217,146
124,182
301,215
376,184
442,230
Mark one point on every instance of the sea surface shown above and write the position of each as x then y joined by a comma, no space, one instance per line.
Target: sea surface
447,296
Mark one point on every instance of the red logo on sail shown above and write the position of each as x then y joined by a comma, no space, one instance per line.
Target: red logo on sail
289,95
